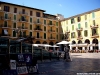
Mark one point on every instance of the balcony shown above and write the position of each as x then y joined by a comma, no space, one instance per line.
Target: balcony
23,20
79,37
40,37
5,26
23,28
37,29
95,36
51,31
4,35
23,13
94,26
50,24
79,29
5,18
38,23
51,38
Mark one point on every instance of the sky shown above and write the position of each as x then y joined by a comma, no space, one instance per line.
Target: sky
67,8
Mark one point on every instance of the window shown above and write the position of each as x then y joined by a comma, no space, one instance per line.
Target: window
30,33
85,17
24,33
23,25
78,19
14,25
37,35
56,29
38,21
44,28
6,16
14,34
56,23
79,26
44,35
23,11
15,10
6,8
94,31
94,22
57,36
72,27
31,13
72,21
79,33
23,18
30,27
73,35
31,20
44,21
93,15
85,33
50,22
67,28
14,17
5,23
85,24
37,14
51,28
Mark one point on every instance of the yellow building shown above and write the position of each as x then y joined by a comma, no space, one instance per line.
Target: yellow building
30,21
83,28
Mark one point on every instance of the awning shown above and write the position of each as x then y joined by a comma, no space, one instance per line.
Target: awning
73,45
91,44
82,45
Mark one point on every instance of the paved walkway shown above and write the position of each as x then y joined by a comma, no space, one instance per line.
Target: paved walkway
81,63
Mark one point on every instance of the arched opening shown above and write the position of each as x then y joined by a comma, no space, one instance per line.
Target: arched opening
95,41
44,42
73,42
51,43
79,42
88,42
37,42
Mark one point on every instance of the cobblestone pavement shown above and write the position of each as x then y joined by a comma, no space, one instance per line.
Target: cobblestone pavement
81,63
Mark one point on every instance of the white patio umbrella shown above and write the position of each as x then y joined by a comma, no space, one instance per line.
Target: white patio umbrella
55,46
64,42
45,45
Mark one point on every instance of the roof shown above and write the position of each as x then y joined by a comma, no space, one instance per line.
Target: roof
81,14
1,2
50,14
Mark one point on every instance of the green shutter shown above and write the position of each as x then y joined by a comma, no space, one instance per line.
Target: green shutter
72,27
6,16
93,15
30,27
14,34
50,22
30,33
5,23
22,25
31,20
85,24
44,21
44,28
14,25
79,26
44,35
14,17
24,33
57,36
56,23
38,21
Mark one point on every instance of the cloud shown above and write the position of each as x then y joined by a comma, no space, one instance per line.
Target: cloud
60,5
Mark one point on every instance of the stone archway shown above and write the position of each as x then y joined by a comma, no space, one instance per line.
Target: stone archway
95,41
44,42
79,42
38,42
88,42
51,43
73,42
